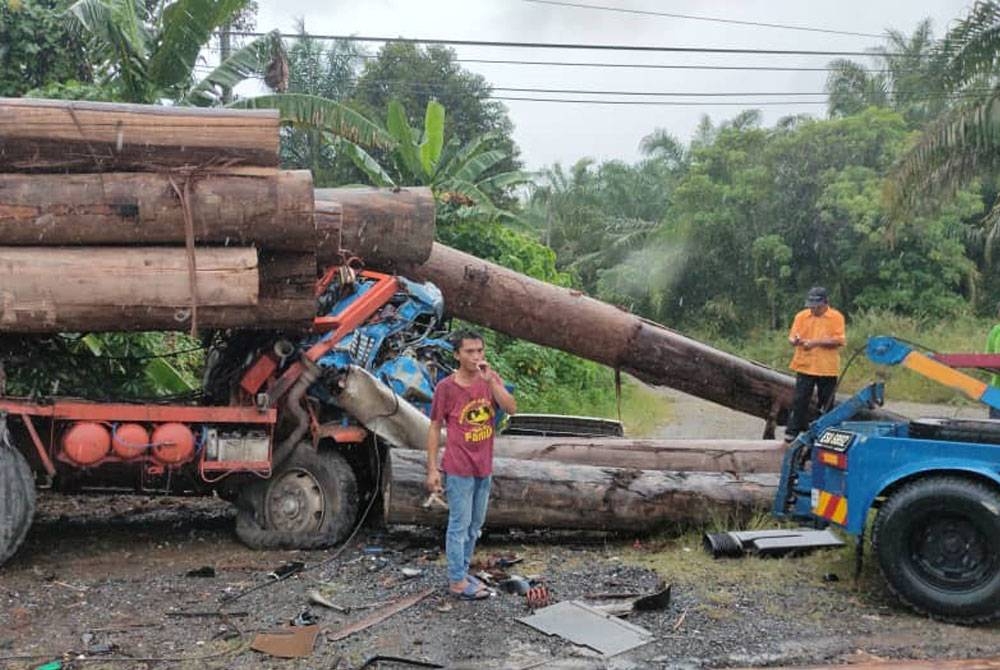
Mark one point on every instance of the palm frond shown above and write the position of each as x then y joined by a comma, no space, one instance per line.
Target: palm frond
187,27
309,111
364,162
120,38
473,147
474,168
433,140
970,47
399,127
242,63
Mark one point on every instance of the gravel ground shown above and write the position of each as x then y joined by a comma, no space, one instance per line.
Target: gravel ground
105,578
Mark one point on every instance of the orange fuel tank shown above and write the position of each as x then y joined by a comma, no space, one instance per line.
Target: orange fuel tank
86,442
130,440
173,443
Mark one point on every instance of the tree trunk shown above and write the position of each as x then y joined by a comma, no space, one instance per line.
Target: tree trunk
285,302
243,206
59,136
496,297
739,457
383,227
546,494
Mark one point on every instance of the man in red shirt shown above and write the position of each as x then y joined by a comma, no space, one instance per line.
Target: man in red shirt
465,403
817,334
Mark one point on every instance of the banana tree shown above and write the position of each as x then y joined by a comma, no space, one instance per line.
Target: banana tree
460,176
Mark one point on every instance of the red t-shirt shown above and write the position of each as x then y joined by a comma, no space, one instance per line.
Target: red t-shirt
467,413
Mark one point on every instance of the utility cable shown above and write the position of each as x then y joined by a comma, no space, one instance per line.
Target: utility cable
580,45
712,19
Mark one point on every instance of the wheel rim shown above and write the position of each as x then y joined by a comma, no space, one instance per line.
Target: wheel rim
295,502
951,552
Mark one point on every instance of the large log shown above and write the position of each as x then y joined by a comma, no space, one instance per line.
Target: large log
493,296
547,494
286,302
383,227
59,135
235,207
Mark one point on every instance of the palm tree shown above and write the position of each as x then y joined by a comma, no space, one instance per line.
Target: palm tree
462,176
963,143
908,78
147,52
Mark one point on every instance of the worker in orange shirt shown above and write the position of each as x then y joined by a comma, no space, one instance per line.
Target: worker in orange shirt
817,335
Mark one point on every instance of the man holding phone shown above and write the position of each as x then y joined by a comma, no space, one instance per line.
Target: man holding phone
465,403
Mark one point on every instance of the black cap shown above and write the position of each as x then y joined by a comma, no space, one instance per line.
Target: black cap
817,296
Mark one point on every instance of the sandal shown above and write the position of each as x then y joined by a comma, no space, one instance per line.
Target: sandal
472,591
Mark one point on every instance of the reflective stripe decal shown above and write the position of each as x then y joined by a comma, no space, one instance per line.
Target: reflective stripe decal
831,507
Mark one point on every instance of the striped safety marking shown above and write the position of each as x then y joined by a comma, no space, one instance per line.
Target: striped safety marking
831,507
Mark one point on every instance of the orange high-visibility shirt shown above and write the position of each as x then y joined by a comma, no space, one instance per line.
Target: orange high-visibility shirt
819,361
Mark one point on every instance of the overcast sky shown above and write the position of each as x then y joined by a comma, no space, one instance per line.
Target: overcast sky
551,132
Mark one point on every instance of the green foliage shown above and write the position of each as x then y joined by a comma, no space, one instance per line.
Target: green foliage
102,367
37,49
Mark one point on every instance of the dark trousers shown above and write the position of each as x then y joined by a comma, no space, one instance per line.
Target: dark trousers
804,385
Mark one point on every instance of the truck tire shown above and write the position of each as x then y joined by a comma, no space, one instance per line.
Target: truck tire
310,502
17,500
937,541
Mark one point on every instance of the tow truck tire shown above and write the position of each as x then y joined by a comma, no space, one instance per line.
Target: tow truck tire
310,502
937,541
17,500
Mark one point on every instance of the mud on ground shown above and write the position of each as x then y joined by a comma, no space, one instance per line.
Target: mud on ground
106,577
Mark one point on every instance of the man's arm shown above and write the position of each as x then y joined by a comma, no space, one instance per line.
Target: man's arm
501,395
433,481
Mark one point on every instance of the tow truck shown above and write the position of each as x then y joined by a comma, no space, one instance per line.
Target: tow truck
933,485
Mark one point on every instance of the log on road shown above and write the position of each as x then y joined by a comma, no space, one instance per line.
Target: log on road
264,207
547,494
60,135
285,302
383,227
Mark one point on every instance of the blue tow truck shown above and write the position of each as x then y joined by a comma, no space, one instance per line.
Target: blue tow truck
933,484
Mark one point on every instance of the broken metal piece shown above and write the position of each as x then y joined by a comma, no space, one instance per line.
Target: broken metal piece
589,627
378,616
660,600
295,642
769,542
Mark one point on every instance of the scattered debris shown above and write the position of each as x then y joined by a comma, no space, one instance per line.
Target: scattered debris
317,598
305,618
410,573
515,584
434,499
538,596
206,571
286,570
769,542
586,626
654,601
379,616
375,660
220,614
292,642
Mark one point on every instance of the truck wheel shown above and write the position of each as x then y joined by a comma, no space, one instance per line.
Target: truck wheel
310,502
938,544
17,500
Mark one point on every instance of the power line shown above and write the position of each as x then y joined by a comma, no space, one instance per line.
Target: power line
667,103
692,17
577,45
595,64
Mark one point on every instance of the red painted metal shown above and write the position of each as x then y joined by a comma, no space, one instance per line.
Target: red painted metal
118,412
173,443
130,440
985,361
342,434
86,443
259,373
43,455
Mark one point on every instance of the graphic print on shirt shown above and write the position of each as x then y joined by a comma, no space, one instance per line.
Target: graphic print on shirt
476,420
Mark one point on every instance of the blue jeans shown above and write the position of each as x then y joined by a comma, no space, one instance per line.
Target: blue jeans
468,498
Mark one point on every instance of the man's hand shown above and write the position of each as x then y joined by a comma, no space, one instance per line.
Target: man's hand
433,481
488,374
795,340
808,344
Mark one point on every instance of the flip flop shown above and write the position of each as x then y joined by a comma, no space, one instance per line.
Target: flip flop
472,591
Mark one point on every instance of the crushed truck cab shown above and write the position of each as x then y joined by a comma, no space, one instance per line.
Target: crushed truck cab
934,486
